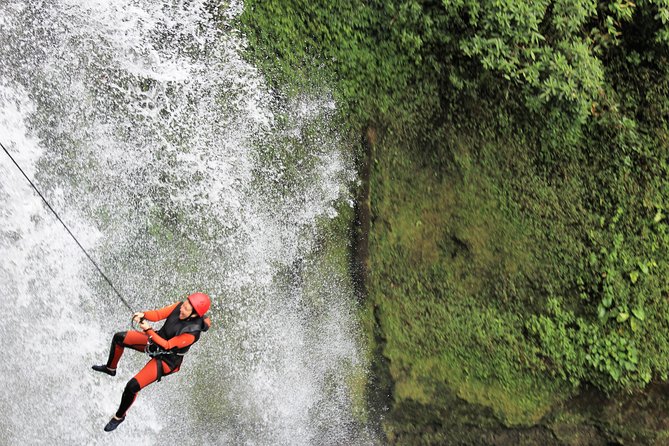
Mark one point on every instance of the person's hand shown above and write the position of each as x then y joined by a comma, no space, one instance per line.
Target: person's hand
144,325
138,316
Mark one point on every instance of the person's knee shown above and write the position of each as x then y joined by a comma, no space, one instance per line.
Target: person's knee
119,337
132,386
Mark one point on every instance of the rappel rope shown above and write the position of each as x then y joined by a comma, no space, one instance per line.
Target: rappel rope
68,230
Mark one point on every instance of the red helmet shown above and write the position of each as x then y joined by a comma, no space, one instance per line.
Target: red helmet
200,303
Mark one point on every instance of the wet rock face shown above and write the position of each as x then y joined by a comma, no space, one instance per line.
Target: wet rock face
589,419
462,424
592,418
431,389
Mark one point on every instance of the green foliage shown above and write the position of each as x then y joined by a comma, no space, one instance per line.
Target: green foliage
392,61
609,328
519,244
607,343
545,52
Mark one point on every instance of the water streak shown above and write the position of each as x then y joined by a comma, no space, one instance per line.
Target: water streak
168,157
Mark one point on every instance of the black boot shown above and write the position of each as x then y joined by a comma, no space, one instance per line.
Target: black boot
113,424
104,369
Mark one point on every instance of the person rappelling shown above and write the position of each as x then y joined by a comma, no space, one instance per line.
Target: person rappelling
185,322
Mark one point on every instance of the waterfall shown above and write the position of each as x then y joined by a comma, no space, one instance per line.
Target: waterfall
171,160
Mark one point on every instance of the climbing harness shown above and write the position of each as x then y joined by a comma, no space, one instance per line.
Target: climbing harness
156,352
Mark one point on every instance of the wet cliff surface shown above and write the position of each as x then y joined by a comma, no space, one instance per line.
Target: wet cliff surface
415,406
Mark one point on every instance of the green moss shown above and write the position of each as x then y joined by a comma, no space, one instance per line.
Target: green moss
447,259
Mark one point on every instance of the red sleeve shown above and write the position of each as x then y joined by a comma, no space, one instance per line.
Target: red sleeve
179,341
159,315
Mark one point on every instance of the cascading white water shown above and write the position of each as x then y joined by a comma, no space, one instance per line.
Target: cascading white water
166,155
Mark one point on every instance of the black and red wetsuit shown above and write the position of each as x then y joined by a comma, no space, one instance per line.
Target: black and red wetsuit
172,341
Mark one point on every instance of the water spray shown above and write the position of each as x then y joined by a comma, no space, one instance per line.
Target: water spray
125,302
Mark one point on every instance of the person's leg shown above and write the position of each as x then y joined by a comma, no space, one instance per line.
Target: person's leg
135,340
146,376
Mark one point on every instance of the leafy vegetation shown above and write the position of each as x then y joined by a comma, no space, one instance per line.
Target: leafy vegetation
520,201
